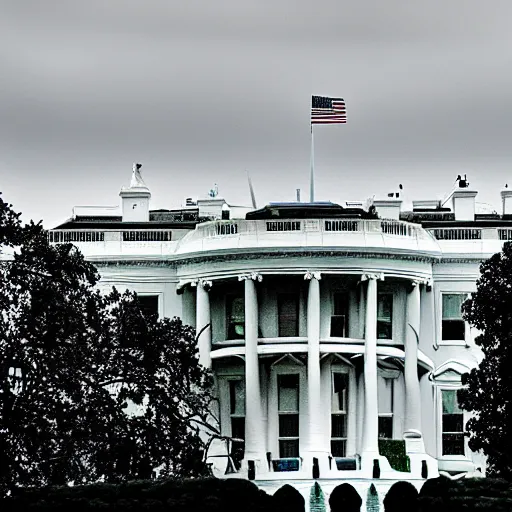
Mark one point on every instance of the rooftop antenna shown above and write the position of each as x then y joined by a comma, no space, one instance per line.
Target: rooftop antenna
251,189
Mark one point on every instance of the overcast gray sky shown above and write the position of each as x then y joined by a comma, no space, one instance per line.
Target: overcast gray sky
200,90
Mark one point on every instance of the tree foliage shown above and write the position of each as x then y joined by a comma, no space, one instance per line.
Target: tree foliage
488,388
74,362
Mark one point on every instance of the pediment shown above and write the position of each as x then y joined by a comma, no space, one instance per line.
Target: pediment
451,371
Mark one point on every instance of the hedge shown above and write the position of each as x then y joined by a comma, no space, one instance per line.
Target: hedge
394,451
208,495
466,495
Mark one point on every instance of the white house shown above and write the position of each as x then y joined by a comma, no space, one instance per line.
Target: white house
327,328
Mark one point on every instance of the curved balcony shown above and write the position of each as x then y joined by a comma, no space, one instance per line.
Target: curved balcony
395,237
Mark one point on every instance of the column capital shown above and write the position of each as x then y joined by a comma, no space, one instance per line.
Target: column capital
255,276
312,275
373,275
203,283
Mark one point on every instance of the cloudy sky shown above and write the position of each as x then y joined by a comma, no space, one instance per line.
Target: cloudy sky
200,90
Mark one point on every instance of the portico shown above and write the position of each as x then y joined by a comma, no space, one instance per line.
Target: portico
307,357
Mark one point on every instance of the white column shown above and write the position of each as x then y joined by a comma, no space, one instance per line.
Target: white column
254,421
316,428
370,444
203,322
412,384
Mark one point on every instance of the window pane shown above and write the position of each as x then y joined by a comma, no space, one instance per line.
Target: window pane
338,326
338,425
386,427
288,391
237,396
289,448
340,304
235,318
453,423
453,330
384,316
148,304
288,313
339,392
288,425
450,403
238,428
453,444
338,448
452,303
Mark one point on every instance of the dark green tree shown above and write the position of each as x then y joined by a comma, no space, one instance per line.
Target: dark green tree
91,387
488,388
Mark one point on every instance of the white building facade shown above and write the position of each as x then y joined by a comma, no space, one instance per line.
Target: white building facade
328,330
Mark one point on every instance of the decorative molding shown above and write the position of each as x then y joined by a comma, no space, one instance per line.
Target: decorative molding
203,283
377,276
312,275
255,276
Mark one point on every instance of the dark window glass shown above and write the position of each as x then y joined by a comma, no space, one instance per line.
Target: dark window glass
148,304
385,316
288,314
235,318
288,425
238,428
386,427
339,425
339,318
453,326
288,448
338,448
453,444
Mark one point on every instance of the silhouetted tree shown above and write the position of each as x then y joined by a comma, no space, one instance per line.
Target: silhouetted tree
73,362
488,388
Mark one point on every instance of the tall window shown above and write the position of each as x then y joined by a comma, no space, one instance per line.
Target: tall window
452,424
288,314
385,316
339,400
339,317
288,411
385,401
148,304
453,326
235,317
237,414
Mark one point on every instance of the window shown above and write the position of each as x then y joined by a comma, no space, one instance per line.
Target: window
288,314
288,412
237,414
385,316
453,326
339,318
148,304
339,400
452,424
235,318
385,400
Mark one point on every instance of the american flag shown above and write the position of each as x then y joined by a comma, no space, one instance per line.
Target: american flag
328,110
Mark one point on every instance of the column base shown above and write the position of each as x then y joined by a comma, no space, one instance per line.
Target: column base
308,463
260,464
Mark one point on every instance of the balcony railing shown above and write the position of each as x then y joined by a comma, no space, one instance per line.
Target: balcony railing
223,228
457,233
125,235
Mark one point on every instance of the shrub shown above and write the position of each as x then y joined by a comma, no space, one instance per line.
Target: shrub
394,451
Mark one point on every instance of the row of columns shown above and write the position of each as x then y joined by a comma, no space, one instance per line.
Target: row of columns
255,448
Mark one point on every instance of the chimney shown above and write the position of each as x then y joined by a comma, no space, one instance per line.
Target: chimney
462,203
506,199
388,208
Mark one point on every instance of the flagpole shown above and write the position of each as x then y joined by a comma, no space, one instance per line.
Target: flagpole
312,174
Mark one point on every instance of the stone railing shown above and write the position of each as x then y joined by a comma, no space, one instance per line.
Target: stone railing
293,226
105,235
